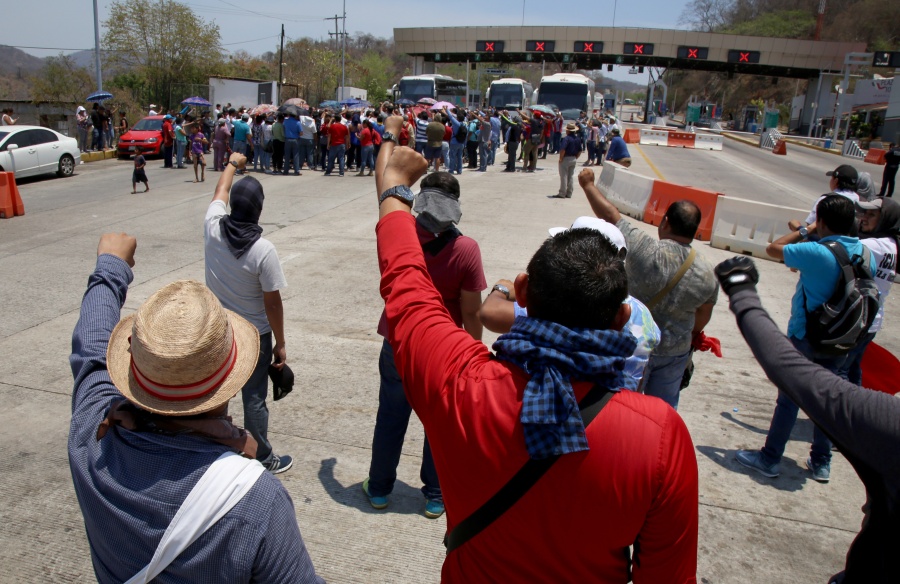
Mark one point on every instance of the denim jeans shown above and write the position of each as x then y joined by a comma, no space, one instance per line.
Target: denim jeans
785,415
853,362
368,158
492,157
253,394
390,430
291,155
456,158
336,153
240,146
82,139
179,153
483,153
306,153
98,139
662,377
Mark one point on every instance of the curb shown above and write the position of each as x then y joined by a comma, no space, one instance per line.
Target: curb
98,156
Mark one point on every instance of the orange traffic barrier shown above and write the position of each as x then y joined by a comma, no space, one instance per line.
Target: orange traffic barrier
682,139
632,135
780,147
10,200
876,156
664,194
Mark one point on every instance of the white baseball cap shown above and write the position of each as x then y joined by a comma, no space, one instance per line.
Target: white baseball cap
610,231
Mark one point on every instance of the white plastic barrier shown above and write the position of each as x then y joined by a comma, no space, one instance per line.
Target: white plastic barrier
628,191
744,226
654,137
708,142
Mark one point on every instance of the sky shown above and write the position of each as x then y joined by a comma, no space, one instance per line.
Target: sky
255,26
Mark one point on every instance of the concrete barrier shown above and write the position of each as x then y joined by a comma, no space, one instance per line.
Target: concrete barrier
654,137
632,136
664,194
682,139
748,227
876,156
628,191
709,142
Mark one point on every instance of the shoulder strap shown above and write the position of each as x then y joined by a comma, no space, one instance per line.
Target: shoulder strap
224,483
685,266
522,481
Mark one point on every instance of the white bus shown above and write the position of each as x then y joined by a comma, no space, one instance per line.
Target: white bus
509,94
439,87
570,92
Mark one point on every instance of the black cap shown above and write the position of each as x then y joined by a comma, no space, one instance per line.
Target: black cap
845,172
282,381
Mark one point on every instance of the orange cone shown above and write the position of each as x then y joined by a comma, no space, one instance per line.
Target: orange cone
780,148
10,201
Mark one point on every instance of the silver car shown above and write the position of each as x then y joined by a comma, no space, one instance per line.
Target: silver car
33,150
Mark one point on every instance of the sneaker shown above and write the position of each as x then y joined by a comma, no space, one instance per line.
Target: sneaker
434,509
820,472
279,464
375,502
753,459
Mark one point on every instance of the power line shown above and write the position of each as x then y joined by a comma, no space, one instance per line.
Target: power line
271,36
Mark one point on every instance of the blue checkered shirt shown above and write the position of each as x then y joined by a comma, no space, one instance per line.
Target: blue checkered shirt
130,484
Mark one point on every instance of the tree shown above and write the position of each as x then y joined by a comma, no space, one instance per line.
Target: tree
705,15
61,80
164,42
371,72
314,67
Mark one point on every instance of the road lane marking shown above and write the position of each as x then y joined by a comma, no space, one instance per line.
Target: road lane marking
652,166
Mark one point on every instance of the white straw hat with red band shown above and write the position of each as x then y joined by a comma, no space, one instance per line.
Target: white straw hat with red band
182,353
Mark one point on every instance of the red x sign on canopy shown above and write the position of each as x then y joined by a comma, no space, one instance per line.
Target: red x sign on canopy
588,47
745,57
489,47
692,53
539,46
638,49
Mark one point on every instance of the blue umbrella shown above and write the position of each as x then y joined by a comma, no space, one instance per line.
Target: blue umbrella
404,101
330,103
355,102
196,101
99,96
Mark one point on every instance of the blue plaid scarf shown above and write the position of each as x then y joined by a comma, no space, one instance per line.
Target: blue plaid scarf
553,354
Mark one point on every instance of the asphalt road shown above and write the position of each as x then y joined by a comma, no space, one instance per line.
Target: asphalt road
752,529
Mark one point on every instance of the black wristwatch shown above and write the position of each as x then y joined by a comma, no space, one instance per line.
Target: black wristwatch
234,164
804,232
402,192
389,137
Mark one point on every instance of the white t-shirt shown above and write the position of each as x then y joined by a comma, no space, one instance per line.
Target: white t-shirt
152,113
852,195
885,251
308,126
239,283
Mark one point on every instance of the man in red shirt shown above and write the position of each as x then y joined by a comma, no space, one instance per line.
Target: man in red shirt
338,134
628,479
454,265
168,136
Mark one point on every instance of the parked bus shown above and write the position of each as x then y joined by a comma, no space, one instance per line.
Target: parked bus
438,87
509,93
570,92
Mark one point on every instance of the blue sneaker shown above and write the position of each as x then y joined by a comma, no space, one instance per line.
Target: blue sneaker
434,509
820,472
753,459
375,502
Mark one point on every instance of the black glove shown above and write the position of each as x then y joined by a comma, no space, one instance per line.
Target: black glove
737,273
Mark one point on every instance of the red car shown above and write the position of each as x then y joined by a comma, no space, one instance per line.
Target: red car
146,136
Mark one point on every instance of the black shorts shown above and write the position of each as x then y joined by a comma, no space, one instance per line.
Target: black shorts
138,176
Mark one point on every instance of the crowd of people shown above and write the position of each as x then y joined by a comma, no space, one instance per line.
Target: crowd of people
582,387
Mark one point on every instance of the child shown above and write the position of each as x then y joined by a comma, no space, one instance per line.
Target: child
139,174
198,141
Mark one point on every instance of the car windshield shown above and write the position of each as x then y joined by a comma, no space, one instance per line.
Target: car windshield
148,125
416,89
570,98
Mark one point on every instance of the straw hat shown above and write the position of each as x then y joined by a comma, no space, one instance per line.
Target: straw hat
181,353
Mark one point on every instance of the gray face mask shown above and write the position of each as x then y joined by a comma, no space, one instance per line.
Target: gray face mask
437,210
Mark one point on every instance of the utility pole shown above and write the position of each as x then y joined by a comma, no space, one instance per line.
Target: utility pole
97,47
342,35
280,65
820,20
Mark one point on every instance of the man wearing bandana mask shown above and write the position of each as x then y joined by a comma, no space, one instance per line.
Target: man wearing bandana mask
454,264
243,271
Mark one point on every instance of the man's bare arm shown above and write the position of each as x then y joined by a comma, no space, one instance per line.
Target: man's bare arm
702,316
498,314
275,315
396,166
776,248
602,208
223,187
469,304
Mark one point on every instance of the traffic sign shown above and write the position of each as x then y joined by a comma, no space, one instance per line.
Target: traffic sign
496,71
886,59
